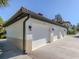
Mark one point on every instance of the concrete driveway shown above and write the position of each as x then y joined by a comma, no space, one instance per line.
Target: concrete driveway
61,49
8,51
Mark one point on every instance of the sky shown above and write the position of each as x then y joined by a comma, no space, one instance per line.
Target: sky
68,9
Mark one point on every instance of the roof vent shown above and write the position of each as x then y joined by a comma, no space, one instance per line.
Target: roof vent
40,14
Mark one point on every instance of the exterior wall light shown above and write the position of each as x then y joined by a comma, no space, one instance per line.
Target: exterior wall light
30,27
52,29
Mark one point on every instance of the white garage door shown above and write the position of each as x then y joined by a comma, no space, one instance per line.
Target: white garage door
40,35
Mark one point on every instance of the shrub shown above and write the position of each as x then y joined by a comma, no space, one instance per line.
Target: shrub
71,31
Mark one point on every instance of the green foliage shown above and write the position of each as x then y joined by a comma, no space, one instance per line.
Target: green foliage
2,36
3,3
77,27
72,30
2,33
2,29
1,20
58,18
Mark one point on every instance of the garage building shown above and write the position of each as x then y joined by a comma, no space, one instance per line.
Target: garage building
28,30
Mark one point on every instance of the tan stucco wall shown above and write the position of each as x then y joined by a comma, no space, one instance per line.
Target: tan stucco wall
15,33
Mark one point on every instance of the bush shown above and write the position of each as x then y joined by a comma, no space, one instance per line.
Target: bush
71,31
2,33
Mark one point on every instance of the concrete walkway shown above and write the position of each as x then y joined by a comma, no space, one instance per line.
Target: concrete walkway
8,51
61,49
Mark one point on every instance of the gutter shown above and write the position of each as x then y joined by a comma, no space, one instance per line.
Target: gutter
24,34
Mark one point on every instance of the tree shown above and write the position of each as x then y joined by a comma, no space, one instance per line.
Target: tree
77,27
58,18
3,3
72,30
1,20
74,27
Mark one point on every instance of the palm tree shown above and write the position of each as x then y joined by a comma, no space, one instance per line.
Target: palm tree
3,3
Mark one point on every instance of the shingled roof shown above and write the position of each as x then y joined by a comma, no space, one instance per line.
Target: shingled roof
23,12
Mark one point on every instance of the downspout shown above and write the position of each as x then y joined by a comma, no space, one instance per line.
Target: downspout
24,34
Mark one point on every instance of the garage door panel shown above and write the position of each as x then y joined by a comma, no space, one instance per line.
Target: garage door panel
40,36
38,43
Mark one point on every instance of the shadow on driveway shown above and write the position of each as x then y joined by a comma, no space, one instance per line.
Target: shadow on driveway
7,50
76,36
